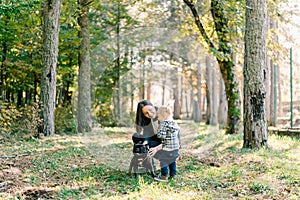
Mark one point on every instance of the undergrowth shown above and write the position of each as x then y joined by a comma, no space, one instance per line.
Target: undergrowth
24,123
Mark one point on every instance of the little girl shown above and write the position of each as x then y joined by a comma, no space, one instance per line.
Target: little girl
169,133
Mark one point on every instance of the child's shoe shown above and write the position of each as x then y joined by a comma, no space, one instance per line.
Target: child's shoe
161,178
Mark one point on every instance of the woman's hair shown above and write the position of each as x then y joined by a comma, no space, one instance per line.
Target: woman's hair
141,120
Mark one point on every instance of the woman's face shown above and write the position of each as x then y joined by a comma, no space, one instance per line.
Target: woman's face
149,111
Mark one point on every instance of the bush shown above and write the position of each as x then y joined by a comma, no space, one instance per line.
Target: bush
65,122
105,116
24,123
19,123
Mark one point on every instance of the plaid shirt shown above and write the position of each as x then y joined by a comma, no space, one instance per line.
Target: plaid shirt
169,133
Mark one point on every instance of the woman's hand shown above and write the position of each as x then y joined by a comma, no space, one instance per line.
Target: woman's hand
153,150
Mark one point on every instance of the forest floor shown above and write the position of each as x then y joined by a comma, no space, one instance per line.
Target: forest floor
95,165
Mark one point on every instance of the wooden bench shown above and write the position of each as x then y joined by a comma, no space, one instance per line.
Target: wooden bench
292,132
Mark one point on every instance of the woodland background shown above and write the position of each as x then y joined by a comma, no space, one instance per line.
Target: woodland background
72,73
137,50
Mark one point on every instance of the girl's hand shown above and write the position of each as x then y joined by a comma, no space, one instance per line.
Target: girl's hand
153,150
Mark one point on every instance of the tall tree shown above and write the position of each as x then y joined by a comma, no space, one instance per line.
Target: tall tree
215,101
222,110
222,52
51,14
84,80
255,125
273,73
208,82
195,82
198,95
175,90
118,87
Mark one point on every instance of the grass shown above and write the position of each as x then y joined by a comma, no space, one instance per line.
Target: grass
212,165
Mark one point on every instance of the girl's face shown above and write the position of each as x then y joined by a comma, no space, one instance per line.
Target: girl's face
149,111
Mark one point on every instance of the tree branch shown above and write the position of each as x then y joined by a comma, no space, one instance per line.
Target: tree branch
190,4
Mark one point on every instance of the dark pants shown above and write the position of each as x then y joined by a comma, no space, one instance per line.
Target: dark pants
167,161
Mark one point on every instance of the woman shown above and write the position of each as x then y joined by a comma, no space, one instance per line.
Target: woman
147,125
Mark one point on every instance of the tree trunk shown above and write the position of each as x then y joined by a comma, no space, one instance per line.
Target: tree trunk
149,85
163,87
119,109
196,95
279,84
222,110
181,92
227,68
176,107
268,70
215,97
176,113
187,104
35,86
142,80
19,97
208,89
223,55
269,77
199,91
255,126
196,111
273,94
67,95
192,96
2,68
132,86
51,14
84,80
270,98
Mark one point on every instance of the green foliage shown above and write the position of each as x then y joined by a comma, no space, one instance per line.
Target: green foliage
235,112
20,34
8,115
19,123
105,91
67,67
65,120
105,116
129,118
110,23
259,187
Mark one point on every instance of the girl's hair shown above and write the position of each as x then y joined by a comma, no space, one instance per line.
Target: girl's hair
165,112
140,119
